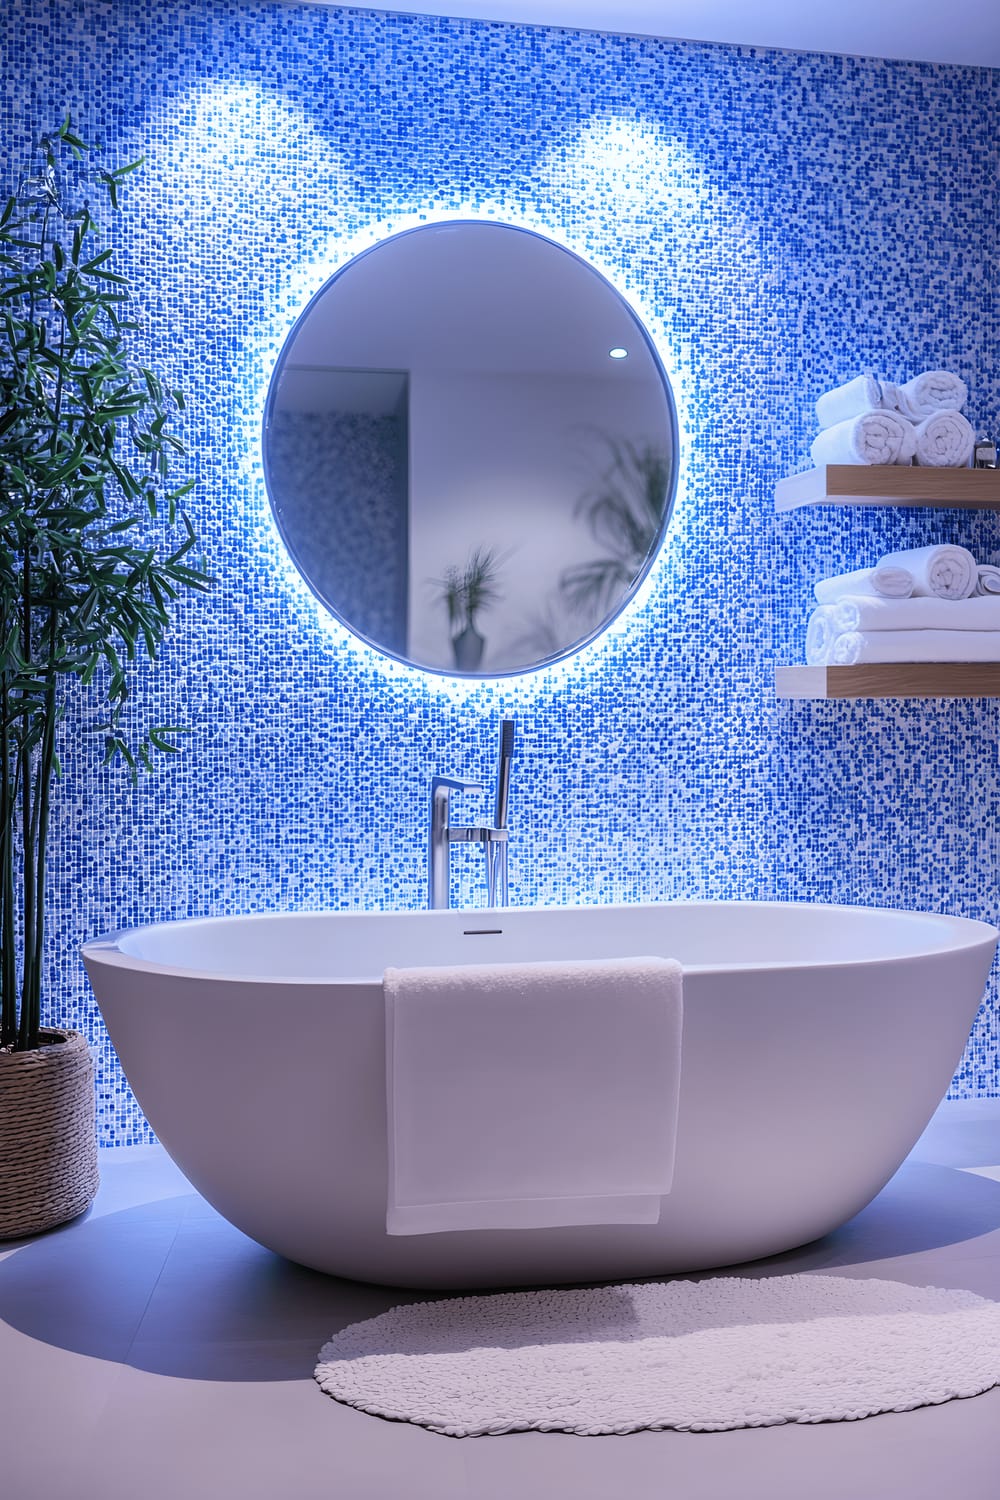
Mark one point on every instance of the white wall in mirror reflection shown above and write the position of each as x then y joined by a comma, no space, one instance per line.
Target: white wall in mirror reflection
505,462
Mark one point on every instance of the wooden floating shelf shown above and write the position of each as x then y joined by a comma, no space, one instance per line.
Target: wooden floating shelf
911,679
889,484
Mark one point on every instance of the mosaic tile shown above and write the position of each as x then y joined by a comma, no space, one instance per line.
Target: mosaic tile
782,221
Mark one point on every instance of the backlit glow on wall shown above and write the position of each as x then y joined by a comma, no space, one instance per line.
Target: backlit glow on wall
778,221
303,283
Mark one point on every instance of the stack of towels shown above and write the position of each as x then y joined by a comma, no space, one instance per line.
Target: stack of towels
929,604
868,421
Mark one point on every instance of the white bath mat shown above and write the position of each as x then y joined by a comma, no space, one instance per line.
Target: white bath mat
696,1355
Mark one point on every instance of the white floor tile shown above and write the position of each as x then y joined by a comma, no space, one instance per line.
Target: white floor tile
150,1349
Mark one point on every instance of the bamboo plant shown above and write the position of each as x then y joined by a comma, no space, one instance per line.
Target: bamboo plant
95,544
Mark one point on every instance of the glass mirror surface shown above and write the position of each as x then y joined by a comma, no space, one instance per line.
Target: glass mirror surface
470,448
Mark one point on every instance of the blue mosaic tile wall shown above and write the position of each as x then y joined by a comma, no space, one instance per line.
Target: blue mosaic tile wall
782,221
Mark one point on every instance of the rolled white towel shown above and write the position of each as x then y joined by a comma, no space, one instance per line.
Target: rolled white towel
945,571
874,437
988,581
934,390
884,583
853,399
867,614
856,646
945,441
821,632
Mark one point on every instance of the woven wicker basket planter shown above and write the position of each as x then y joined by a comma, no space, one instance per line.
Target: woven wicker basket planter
48,1142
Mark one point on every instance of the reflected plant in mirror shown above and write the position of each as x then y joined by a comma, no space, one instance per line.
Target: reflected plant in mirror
453,383
625,513
466,591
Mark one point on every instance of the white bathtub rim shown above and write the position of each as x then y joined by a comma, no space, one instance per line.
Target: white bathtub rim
961,933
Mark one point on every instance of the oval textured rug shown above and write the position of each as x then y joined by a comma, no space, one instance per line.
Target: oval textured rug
699,1356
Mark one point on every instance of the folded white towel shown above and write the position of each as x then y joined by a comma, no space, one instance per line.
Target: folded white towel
988,581
874,437
915,645
821,632
923,613
529,1095
853,399
934,390
947,572
945,441
885,583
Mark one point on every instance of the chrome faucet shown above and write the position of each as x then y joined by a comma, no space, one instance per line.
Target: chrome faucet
444,833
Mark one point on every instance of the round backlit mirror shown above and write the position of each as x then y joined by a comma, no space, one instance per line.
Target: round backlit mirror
470,448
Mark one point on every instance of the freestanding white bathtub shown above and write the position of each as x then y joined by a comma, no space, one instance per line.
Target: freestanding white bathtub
818,1040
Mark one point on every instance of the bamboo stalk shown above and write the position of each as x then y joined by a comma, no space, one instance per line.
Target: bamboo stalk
27,851
8,955
43,787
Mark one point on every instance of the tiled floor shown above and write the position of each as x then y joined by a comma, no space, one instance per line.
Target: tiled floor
150,1350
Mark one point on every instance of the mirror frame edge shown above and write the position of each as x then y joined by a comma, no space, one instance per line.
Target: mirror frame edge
375,242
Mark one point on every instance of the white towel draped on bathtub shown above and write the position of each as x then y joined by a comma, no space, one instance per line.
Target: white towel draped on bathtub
530,1095
946,571
883,582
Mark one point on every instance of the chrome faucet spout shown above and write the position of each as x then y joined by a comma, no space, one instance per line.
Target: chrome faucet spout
443,833
441,837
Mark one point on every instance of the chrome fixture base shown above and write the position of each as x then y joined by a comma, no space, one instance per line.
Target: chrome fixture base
443,833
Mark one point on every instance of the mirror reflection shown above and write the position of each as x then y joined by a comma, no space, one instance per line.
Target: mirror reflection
469,447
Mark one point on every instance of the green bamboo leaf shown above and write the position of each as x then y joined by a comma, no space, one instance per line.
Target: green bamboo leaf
67,134
189,541
157,594
160,742
194,578
126,479
114,410
150,638
97,260
115,746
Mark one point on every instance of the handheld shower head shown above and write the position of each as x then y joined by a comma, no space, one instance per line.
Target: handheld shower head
503,772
